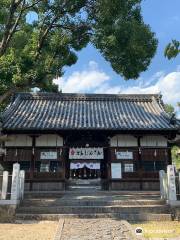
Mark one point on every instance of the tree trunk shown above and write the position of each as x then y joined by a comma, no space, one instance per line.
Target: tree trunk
7,94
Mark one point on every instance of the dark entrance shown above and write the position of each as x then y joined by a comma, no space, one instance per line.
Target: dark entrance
88,170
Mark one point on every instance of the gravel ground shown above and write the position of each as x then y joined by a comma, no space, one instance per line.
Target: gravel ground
95,229
28,230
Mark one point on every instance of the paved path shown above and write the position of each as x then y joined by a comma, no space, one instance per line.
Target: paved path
96,229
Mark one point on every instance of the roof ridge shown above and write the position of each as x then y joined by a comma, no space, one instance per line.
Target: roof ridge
38,95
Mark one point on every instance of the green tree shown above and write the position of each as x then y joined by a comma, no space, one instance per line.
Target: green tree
122,37
172,49
169,109
34,53
176,156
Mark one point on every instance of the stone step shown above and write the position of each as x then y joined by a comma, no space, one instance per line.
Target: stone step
122,216
43,194
84,188
123,194
94,209
84,195
91,202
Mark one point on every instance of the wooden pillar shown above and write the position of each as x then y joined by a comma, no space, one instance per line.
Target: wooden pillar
169,156
139,161
108,165
32,164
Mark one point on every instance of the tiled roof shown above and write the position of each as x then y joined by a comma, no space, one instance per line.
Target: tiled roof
51,111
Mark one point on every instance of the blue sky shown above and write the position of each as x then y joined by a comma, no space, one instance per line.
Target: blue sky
92,73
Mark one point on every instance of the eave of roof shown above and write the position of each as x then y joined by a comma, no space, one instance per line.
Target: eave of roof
72,111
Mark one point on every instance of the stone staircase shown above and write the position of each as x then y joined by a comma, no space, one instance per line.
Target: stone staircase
84,185
132,206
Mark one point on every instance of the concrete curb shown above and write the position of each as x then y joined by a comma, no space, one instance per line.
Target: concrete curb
59,229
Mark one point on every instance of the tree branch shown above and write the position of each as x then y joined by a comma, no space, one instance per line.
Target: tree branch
15,24
10,26
44,35
7,94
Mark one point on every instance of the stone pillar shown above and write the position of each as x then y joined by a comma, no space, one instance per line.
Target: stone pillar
15,182
165,185
162,187
171,183
4,185
179,182
22,179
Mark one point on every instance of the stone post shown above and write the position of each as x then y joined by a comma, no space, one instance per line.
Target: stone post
15,182
179,182
165,185
171,183
22,179
4,185
162,184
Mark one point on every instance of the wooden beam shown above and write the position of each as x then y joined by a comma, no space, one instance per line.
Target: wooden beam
32,164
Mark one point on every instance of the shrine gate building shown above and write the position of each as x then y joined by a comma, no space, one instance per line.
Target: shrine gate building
119,140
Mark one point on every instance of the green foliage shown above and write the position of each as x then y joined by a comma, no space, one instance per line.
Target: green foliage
169,109
38,51
123,38
176,156
34,53
172,49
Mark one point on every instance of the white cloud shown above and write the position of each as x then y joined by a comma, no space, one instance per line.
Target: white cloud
95,80
84,81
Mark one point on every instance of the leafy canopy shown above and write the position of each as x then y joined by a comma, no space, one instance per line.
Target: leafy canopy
34,53
172,49
169,109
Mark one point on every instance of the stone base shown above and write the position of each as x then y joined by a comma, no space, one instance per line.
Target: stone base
45,186
119,185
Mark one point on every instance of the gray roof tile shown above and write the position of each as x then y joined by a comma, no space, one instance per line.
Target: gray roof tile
46,111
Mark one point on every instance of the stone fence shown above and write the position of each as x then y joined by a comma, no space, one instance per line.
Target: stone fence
170,185
16,186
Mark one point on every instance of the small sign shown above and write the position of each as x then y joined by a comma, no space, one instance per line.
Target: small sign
48,155
171,182
124,155
86,153
129,167
116,170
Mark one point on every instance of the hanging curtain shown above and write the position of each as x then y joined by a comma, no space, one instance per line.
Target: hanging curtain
76,165
90,165
93,165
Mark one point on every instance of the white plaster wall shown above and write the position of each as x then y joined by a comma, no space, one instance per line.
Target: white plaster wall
123,141
113,141
154,141
18,141
49,140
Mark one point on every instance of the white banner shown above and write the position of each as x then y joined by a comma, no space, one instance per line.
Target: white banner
124,155
48,155
116,170
86,153
82,165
